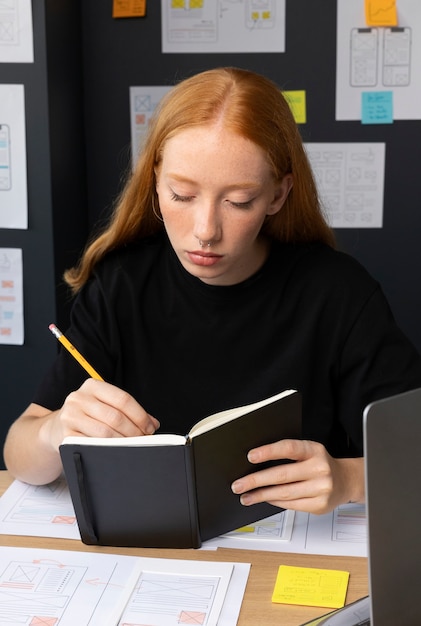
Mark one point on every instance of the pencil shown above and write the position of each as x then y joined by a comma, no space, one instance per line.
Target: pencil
75,353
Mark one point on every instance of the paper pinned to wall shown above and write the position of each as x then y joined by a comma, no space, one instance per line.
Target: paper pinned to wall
11,296
350,181
143,101
16,32
378,58
13,181
208,26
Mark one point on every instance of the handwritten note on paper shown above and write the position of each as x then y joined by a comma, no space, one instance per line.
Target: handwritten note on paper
310,586
381,13
129,8
377,107
297,104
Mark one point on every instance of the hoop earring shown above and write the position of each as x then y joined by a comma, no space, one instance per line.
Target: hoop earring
154,211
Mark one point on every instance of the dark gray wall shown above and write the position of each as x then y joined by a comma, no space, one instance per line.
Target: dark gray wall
57,207
78,142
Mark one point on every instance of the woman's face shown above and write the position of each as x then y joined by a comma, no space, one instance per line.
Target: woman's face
215,189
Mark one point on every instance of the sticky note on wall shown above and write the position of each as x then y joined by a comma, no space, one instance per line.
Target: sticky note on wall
297,104
377,107
381,13
129,8
311,586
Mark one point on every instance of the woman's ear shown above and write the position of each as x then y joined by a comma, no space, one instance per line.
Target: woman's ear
281,194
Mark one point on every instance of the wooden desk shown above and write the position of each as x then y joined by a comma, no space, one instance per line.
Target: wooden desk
257,605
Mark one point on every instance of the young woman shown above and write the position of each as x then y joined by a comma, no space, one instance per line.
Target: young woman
217,284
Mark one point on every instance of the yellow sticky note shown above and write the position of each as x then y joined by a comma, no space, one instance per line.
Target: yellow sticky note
297,104
381,13
310,586
129,8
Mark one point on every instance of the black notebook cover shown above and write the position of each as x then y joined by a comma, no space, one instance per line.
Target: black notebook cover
173,496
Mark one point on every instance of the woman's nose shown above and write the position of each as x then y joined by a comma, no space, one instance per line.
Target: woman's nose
207,223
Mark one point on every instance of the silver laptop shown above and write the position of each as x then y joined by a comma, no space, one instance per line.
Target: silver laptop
392,451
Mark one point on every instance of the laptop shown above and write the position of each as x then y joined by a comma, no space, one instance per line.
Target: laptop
392,451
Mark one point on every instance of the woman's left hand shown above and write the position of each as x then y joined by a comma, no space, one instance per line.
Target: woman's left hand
315,483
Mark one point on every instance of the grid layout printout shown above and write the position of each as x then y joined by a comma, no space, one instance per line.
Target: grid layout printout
277,527
171,597
342,532
64,587
42,511
191,26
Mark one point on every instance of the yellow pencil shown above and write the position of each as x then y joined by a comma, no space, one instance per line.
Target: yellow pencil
75,353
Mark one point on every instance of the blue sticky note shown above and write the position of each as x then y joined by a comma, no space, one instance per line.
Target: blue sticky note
377,107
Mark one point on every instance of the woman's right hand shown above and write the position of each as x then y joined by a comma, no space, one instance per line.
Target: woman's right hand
99,409
96,409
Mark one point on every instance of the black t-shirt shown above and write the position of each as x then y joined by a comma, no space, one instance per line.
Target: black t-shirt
311,319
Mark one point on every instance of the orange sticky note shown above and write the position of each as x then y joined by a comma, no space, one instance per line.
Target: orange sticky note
310,586
129,8
381,13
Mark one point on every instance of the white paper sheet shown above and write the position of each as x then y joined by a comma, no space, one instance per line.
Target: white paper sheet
143,101
16,36
13,179
277,527
343,532
67,587
168,593
223,26
378,59
41,511
350,182
11,296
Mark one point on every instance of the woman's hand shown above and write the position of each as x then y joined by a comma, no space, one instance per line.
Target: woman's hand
315,483
99,409
96,409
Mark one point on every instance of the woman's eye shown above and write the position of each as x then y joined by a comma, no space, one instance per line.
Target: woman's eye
176,198
240,205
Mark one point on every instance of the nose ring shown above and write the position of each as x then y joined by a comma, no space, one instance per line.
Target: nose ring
203,243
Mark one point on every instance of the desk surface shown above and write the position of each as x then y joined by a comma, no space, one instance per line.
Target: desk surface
257,606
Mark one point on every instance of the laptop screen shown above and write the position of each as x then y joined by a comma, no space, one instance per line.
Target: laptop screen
392,440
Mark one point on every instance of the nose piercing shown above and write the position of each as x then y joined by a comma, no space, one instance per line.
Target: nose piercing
203,243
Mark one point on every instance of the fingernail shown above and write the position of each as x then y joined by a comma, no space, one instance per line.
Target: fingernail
252,456
236,486
150,429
